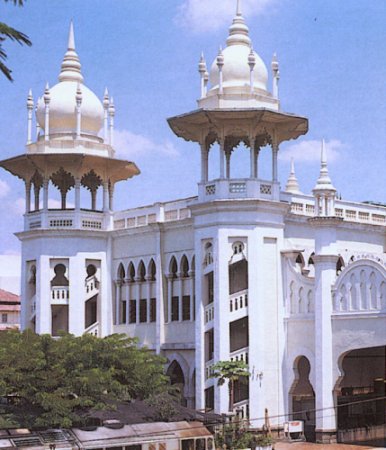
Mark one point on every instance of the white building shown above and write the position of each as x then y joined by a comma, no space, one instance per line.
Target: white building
293,284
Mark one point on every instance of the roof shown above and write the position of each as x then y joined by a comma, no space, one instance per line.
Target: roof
139,433
9,297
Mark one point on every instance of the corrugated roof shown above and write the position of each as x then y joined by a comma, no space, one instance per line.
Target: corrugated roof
6,297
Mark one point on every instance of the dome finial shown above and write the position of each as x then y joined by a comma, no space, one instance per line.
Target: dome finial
238,31
71,38
324,180
70,70
292,185
238,8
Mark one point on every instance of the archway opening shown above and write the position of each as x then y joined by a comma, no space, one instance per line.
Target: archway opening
177,379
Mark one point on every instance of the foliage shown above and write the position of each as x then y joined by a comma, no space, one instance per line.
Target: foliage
230,371
7,32
54,382
164,404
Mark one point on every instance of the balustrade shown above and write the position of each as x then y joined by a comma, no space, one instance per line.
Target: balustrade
209,313
60,294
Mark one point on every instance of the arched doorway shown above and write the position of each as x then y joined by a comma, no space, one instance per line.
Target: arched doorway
303,397
177,379
360,414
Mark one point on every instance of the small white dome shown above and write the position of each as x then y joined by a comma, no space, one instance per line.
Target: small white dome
236,71
62,113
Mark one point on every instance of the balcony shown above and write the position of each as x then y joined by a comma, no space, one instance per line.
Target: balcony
238,305
68,219
209,369
238,188
93,329
240,355
91,286
209,314
60,295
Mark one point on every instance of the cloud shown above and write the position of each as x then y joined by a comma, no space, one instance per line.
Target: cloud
131,145
206,15
18,206
4,189
309,151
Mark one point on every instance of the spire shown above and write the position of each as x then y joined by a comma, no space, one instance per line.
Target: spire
324,180
70,70
238,31
292,185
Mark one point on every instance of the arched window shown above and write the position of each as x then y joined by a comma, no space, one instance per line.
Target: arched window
184,267
131,272
32,278
120,274
141,271
173,267
208,259
339,265
59,279
238,247
311,259
152,269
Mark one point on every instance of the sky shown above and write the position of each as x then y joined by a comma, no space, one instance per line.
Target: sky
332,70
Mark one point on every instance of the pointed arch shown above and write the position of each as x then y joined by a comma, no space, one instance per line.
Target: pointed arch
131,271
121,272
184,266
311,259
173,267
152,270
141,271
339,265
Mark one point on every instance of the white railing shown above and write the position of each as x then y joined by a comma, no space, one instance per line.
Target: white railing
93,329
91,286
238,301
238,188
209,369
240,355
65,218
60,294
241,409
209,313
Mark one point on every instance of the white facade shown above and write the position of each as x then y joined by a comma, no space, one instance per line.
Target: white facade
288,282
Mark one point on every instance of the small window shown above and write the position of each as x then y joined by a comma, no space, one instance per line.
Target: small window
186,307
238,247
4,318
123,312
200,444
209,398
187,444
153,310
175,309
143,310
133,311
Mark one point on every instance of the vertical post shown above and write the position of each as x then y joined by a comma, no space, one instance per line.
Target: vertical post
111,196
148,297
45,194
191,292
127,298
170,289
37,124
138,295
203,72
117,300
252,157
47,99
77,194
27,196
220,64
111,114
222,157
256,160
36,195
106,104
30,107
105,196
180,301
251,63
78,99
204,162
275,76
275,150
228,163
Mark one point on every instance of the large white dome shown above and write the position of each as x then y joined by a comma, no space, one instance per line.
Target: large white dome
62,109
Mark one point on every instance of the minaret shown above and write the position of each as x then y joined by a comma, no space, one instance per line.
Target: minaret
292,185
73,295
324,191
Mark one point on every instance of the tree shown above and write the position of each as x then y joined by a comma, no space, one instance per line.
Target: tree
7,32
230,371
55,382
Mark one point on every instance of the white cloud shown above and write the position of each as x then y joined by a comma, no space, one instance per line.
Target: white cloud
4,188
309,151
131,145
209,15
18,206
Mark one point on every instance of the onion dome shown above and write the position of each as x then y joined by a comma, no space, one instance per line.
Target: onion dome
63,99
237,55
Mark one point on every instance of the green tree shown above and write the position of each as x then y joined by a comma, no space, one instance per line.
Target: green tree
7,32
55,382
230,371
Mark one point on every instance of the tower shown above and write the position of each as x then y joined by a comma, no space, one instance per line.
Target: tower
239,226
66,248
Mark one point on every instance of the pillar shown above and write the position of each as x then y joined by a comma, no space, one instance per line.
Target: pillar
111,196
27,196
138,296
170,292
222,157
117,300
105,196
180,302
228,163
275,150
192,295
148,297
252,157
127,297
204,163
45,194
255,161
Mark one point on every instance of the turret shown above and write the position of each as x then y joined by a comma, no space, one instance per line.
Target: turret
324,191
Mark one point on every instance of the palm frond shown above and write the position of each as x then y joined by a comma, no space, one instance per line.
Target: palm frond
16,2
14,35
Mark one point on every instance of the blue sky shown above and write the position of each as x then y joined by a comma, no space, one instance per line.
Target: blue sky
332,64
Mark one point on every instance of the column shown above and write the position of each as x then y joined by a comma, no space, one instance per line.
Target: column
325,266
105,196
204,162
138,295
27,196
36,197
148,297
191,292
117,300
180,301
160,291
77,203
228,163
222,157
45,194
111,196
76,311
43,296
275,150
255,161
170,289
127,296
252,157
